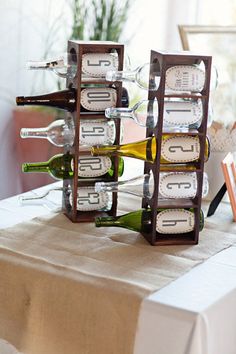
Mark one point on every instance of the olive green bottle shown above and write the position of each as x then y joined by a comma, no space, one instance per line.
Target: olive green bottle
168,221
61,166
182,149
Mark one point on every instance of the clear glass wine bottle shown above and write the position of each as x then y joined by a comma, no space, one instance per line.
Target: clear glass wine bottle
62,132
87,199
180,78
178,113
94,65
172,185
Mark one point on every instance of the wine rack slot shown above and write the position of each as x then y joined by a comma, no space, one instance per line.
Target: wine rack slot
162,62
78,53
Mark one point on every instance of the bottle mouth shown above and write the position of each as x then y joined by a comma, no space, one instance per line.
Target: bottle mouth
97,222
20,100
208,147
24,133
111,112
24,167
201,226
111,75
99,186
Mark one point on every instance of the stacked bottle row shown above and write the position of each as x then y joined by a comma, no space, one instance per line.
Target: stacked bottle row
84,125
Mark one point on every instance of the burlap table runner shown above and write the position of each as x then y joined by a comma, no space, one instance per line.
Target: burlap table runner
75,289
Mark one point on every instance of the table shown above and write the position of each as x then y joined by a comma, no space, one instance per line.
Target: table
194,314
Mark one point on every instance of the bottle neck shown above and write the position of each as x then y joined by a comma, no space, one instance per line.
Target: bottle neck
143,150
114,75
119,113
141,186
107,221
104,150
65,99
35,167
47,64
34,133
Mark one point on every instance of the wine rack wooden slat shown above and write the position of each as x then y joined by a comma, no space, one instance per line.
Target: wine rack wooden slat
76,49
165,61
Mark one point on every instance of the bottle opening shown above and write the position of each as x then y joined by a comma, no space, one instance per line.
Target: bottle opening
24,133
20,101
25,167
97,222
99,186
111,75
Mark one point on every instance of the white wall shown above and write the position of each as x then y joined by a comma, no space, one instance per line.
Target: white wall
30,28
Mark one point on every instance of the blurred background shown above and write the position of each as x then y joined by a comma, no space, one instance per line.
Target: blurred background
34,30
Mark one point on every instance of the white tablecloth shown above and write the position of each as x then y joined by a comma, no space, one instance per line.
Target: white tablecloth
196,314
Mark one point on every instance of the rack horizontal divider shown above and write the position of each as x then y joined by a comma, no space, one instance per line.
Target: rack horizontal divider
165,61
76,49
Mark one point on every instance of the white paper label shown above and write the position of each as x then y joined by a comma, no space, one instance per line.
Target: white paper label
179,148
98,99
175,221
94,132
185,78
182,113
97,64
178,185
89,200
93,166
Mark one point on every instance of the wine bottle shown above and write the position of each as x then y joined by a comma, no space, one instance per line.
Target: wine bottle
87,199
181,78
62,132
61,166
175,149
94,65
93,99
168,221
172,185
180,113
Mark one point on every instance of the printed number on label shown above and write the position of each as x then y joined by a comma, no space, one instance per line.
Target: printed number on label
92,131
92,198
181,148
90,163
185,185
172,223
101,62
101,96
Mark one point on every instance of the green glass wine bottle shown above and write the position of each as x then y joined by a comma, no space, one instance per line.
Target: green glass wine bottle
168,221
61,166
174,149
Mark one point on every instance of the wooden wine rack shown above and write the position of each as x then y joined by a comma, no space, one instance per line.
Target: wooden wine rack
164,61
75,51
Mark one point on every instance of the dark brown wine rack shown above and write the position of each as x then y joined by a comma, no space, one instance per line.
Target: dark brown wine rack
76,49
163,61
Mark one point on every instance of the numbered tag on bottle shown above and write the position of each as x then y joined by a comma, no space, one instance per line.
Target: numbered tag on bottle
89,200
95,132
98,99
97,64
182,113
178,185
175,221
94,166
185,78
180,149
